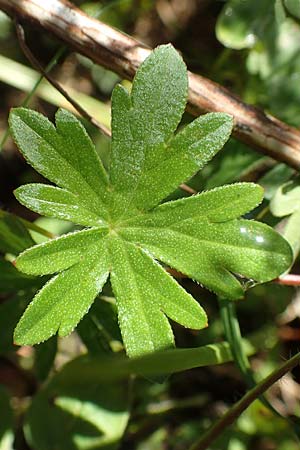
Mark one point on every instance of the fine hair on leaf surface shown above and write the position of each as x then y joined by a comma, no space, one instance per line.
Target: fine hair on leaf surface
127,232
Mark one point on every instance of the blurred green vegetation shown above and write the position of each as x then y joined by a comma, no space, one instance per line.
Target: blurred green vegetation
253,48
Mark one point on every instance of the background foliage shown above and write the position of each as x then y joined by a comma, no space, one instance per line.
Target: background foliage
252,47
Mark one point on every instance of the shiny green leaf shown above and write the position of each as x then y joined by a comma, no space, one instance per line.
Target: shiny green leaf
212,246
293,7
240,22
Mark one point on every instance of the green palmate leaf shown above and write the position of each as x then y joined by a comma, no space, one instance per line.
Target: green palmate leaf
141,284
147,162
67,297
143,122
188,152
64,155
55,202
213,247
144,151
128,233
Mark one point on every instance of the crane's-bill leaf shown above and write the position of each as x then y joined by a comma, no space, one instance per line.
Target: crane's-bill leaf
60,253
209,206
128,234
186,153
209,254
64,155
144,151
213,247
141,284
64,300
145,120
55,202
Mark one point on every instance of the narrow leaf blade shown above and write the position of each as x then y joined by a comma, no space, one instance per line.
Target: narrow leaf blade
59,254
209,206
55,202
143,122
185,154
70,161
210,252
143,295
143,326
158,363
64,300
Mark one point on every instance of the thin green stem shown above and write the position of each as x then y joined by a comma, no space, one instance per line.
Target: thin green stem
29,225
29,96
233,335
36,65
236,410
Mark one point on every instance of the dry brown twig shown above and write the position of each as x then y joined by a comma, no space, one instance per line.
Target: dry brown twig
36,65
123,54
